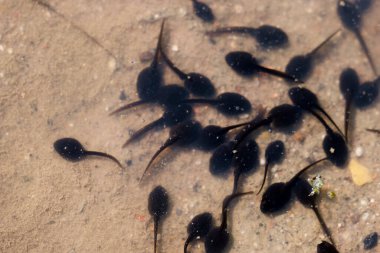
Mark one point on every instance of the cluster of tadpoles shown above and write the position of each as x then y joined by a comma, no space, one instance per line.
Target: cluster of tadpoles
242,152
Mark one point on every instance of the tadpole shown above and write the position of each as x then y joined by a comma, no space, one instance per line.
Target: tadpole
278,195
72,150
268,37
158,206
244,64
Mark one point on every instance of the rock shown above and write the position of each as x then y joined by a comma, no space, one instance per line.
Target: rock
370,241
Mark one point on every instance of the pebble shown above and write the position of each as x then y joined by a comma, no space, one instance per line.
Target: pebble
370,241
359,152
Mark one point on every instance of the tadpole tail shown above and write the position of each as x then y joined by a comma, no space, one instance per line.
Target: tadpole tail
155,233
233,29
278,73
158,46
347,114
330,119
228,128
187,242
172,66
315,50
128,106
363,45
305,169
327,127
168,143
376,131
142,131
325,229
102,154
253,125
237,174
265,176
226,202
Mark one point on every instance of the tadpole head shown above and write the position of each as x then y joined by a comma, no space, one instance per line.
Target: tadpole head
271,37
275,198
326,247
158,202
349,83
216,241
200,225
335,149
171,95
349,14
70,149
221,159
242,63
299,67
285,116
303,97
203,11
246,157
149,82
302,190
211,137
199,85
275,152
187,132
177,114
367,94
232,104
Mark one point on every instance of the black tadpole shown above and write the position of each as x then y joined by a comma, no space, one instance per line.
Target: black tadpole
158,206
349,86
268,37
149,79
72,150
301,66
274,153
218,238
203,11
170,118
244,64
182,135
246,160
303,191
326,247
308,101
198,228
278,195
350,15
197,84
169,96
228,103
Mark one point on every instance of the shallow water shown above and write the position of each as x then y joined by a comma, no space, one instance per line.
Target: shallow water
56,82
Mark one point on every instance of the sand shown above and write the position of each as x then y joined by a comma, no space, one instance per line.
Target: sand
57,82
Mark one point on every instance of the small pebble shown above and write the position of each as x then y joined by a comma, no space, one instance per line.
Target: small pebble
359,151
122,95
370,241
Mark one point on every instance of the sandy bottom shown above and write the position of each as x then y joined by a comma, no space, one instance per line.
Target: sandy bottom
56,82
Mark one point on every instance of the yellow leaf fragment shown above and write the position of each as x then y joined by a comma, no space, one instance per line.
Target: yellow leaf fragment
359,173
